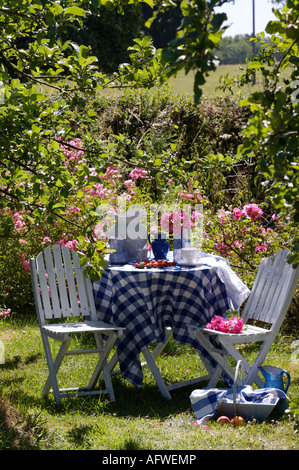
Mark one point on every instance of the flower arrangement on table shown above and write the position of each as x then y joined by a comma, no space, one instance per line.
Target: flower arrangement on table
183,228
175,221
232,324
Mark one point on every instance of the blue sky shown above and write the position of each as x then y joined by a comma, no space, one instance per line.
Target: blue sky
241,17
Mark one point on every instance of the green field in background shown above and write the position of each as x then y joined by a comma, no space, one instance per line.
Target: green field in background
183,84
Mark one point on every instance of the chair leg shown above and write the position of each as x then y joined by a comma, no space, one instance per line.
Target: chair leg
215,377
53,367
222,364
251,371
112,363
102,366
108,382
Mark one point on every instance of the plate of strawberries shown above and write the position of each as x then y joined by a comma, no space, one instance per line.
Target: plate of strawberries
160,263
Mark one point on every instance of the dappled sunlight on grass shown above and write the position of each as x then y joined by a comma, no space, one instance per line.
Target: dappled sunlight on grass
140,418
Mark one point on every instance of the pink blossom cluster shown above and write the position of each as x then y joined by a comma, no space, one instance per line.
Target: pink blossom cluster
19,222
73,154
18,219
231,325
73,210
186,195
138,173
251,210
190,193
25,263
5,313
175,221
130,183
220,247
111,172
99,190
72,244
260,248
46,240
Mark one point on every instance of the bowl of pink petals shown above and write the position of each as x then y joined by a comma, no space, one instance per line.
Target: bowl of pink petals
226,325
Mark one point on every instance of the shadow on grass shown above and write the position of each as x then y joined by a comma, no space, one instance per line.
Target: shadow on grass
129,401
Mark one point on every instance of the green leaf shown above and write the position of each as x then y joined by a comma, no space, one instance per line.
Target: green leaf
35,129
56,8
275,27
76,11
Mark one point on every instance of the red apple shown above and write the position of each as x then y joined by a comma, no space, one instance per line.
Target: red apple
223,420
238,421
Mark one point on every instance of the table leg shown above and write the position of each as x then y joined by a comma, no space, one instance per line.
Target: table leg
156,373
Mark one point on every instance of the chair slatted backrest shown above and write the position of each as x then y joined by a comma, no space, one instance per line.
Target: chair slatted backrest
60,287
273,290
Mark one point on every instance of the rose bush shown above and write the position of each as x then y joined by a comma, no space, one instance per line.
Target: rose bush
242,234
22,240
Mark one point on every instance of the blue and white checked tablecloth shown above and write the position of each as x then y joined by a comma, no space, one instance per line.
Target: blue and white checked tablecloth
145,302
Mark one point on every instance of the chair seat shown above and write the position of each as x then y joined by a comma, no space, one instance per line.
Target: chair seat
249,334
79,327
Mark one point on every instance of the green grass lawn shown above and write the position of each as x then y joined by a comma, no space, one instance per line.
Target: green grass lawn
138,419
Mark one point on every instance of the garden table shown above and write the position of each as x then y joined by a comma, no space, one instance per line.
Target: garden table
147,301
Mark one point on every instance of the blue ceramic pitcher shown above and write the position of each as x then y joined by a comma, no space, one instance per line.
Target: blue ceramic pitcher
160,245
274,378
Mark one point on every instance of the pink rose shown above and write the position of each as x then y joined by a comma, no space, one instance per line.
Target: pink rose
26,265
46,240
260,248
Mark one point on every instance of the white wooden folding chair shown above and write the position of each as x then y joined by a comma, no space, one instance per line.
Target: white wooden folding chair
61,291
268,303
